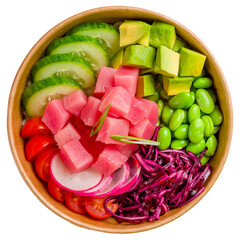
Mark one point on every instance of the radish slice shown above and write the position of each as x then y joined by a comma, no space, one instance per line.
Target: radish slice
74,182
118,179
135,169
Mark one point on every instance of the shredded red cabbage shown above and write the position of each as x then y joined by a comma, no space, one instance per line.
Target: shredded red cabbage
168,179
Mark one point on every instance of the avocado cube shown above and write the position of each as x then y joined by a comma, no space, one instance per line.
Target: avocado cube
139,56
162,34
191,62
131,32
116,60
176,85
145,86
179,44
167,62
146,37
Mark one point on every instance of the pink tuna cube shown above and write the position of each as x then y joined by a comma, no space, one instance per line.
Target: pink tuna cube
55,116
67,134
74,102
75,156
152,110
105,80
109,161
137,112
90,113
112,126
127,149
144,129
127,77
120,101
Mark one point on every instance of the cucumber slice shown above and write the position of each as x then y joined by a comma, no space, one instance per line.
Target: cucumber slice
64,65
36,96
105,33
83,46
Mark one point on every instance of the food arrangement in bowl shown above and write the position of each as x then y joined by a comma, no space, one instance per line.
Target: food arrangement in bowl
121,120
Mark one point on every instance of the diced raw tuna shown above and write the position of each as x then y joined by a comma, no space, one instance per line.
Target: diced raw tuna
126,149
127,77
152,110
90,113
120,101
55,116
144,129
78,124
74,102
137,112
112,126
75,156
105,80
109,160
67,134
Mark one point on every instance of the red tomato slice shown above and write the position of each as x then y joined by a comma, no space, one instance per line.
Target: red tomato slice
75,202
95,207
55,191
34,126
37,144
43,161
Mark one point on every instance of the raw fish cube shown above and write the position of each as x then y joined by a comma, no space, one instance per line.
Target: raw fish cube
144,129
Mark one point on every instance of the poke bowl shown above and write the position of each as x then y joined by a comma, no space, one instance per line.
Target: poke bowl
23,104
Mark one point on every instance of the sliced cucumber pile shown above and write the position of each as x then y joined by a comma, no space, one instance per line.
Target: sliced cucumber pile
83,46
105,33
64,65
36,96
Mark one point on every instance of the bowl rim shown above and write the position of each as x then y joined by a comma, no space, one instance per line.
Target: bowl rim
10,119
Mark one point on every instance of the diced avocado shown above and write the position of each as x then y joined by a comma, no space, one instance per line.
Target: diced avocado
179,44
145,86
162,34
167,62
145,71
117,59
139,56
146,37
203,74
191,62
131,32
176,85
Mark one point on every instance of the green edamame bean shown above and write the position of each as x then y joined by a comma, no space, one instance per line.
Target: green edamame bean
160,104
164,94
185,117
211,143
154,97
215,129
216,116
204,101
212,94
167,113
181,132
196,130
180,100
176,119
193,113
191,101
164,138
179,144
196,148
208,126
204,160
203,82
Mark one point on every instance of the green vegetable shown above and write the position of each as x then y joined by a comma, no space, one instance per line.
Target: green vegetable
204,101
215,129
164,138
212,94
196,148
208,126
193,113
167,113
181,100
179,144
160,104
204,160
176,119
204,82
181,132
216,116
196,130
145,86
154,97
211,143
185,118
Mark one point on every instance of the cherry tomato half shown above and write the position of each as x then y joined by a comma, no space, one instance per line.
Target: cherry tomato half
37,144
34,126
75,202
55,191
95,207
43,161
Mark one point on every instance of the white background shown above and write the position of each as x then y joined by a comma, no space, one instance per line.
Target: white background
23,23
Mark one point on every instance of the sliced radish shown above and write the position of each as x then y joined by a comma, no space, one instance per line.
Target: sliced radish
74,182
119,178
135,169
